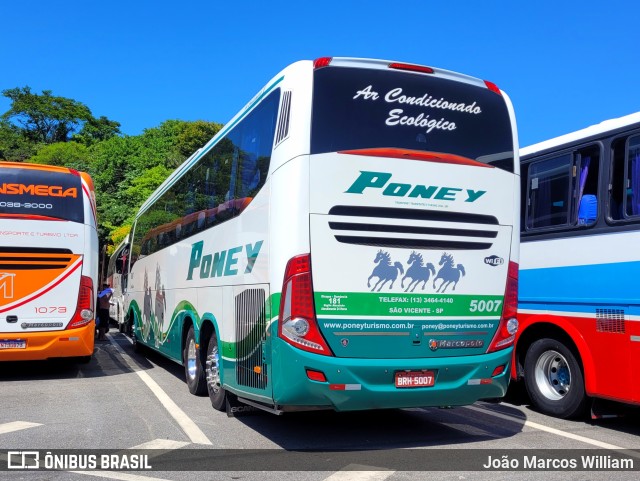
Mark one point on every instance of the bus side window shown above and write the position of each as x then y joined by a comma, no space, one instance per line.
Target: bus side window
121,261
587,169
562,191
632,207
549,191
624,186
616,184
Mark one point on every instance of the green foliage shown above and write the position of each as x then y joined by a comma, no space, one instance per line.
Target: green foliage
117,236
46,129
195,134
44,118
143,186
96,130
47,119
64,154
13,145
126,170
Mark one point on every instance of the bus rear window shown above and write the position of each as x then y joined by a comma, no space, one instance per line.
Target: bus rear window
41,193
355,108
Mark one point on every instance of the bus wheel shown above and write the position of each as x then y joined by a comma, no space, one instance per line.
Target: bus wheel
122,326
554,379
192,365
137,345
217,394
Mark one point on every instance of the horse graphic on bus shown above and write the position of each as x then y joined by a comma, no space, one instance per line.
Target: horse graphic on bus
418,271
449,273
384,271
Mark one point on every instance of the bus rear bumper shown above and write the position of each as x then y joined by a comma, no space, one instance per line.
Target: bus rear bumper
53,344
358,384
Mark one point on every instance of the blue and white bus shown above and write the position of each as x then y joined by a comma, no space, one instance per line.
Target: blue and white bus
347,241
579,306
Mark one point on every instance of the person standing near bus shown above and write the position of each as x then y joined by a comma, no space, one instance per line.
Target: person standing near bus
103,311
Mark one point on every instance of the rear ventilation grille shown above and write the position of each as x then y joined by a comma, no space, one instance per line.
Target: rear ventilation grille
282,131
32,258
610,320
414,214
250,331
419,236
33,250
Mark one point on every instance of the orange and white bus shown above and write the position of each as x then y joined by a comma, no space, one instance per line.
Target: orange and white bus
48,262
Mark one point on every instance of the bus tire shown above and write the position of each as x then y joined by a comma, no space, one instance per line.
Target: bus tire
217,394
193,366
122,326
137,345
554,380
128,326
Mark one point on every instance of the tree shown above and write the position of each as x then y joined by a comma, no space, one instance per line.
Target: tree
195,135
97,130
64,154
117,235
45,118
13,145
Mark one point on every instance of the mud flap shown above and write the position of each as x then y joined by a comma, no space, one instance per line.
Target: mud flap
236,408
605,409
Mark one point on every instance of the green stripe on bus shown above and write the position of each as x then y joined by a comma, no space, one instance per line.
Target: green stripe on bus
406,305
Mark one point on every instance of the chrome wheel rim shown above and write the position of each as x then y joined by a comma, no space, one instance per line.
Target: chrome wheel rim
191,359
213,370
553,375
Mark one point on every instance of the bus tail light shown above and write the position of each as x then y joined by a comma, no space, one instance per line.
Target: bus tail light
321,62
410,67
297,324
493,87
85,309
508,327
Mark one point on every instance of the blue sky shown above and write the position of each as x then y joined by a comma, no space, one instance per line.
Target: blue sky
565,65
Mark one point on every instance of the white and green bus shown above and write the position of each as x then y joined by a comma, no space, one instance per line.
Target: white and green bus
348,241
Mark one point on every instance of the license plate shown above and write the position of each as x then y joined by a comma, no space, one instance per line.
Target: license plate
415,379
13,344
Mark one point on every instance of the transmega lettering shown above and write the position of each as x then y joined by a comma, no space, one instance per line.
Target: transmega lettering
40,190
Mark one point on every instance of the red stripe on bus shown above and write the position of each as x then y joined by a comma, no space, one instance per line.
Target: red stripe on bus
416,155
93,207
30,217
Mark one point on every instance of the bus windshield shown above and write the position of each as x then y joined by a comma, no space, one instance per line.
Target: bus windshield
41,193
356,108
